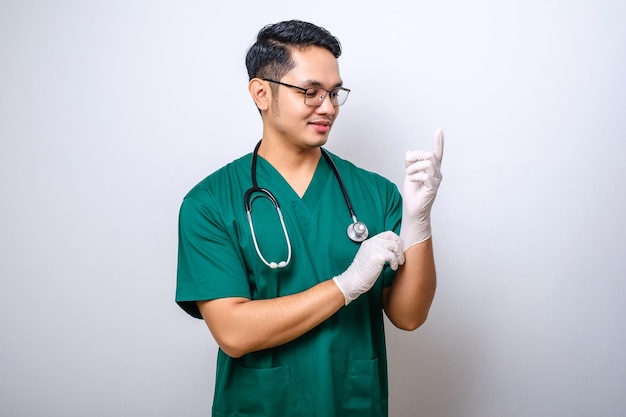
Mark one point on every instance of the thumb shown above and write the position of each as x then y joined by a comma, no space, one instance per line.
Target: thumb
438,145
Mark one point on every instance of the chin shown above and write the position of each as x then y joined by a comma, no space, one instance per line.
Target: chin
319,141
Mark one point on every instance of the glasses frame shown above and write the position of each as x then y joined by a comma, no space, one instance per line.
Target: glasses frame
320,98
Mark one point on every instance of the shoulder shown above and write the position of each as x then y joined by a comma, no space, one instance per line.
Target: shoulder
350,170
229,178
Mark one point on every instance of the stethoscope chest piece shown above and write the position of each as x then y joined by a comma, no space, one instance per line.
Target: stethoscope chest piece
357,231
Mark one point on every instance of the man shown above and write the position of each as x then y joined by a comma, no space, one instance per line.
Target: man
294,304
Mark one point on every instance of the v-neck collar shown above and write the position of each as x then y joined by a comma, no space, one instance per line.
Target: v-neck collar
269,177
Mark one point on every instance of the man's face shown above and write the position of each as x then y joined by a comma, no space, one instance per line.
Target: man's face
289,118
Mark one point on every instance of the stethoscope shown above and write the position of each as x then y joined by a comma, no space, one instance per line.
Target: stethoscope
357,231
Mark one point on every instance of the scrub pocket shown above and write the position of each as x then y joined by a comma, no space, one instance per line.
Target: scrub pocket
363,389
264,392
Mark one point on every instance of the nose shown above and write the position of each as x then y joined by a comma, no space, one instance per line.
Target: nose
327,106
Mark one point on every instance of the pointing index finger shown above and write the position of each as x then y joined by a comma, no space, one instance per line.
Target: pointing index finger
438,145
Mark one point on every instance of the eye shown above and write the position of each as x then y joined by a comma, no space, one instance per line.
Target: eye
312,93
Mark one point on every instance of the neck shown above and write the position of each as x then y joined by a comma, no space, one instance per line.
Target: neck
296,165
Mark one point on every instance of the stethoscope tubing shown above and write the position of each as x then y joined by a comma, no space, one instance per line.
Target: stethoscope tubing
357,231
248,205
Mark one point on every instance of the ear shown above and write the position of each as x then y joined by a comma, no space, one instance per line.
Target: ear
261,93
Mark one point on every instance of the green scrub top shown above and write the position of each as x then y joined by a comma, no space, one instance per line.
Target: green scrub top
338,368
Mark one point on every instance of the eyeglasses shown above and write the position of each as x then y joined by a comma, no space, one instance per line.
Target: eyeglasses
315,96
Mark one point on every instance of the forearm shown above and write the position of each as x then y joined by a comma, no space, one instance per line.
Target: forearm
407,301
241,326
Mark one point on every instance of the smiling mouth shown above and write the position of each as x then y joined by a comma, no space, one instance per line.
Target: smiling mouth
321,126
325,123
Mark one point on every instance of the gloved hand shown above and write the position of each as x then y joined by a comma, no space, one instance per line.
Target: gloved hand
368,264
423,175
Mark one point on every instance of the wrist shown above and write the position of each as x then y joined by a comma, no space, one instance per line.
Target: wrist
415,232
340,282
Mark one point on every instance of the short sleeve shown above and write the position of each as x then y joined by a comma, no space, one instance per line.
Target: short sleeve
210,264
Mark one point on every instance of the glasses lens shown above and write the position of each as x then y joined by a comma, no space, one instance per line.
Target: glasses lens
316,96
339,96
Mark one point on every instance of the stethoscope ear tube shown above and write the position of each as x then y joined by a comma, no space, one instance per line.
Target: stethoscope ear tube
248,207
247,198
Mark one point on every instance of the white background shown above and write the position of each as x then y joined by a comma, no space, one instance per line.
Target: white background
111,111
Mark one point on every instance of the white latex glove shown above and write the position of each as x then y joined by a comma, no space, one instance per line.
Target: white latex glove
423,175
385,247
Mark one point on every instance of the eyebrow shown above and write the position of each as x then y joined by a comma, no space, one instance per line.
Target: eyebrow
314,83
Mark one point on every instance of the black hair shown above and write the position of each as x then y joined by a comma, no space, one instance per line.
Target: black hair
270,55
